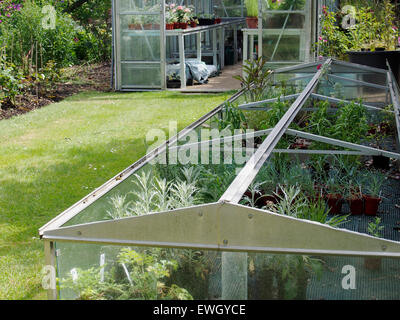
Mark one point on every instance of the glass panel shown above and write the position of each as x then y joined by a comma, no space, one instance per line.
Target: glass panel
283,20
181,178
281,48
92,272
141,75
140,6
352,90
140,45
229,8
285,5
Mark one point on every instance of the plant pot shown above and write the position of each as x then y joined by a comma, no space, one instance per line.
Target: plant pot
176,25
335,203
252,22
147,26
155,26
134,26
183,25
218,20
381,162
169,26
371,205
356,206
193,24
205,21
373,264
377,59
173,84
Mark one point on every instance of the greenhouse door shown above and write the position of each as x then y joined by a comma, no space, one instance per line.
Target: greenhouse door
139,44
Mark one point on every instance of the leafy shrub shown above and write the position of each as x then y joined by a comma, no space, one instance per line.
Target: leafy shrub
28,43
11,82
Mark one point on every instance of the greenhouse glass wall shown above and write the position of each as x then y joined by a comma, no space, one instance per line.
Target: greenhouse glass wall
276,206
146,55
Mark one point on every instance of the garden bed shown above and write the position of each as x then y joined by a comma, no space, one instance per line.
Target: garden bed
74,80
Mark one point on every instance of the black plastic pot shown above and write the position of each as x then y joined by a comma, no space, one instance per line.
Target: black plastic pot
206,21
377,59
381,162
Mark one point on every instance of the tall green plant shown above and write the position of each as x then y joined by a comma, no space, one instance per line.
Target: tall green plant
255,79
251,8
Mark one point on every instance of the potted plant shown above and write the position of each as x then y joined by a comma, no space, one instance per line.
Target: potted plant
183,15
372,197
135,24
378,140
170,20
194,22
370,39
206,19
355,200
333,196
252,13
374,229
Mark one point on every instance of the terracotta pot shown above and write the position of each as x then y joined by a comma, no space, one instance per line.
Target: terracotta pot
155,26
169,26
193,24
176,25
183,25
371,205
356,206
135,26
335,203
373,264
218,20
252,22
147,26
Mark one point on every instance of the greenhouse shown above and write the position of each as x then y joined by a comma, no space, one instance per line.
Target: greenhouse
149,53
295,198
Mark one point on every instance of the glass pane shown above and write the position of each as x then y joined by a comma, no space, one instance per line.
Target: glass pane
283,20
140,38
141,75
286,5
285,48
140,6
229,8
92,272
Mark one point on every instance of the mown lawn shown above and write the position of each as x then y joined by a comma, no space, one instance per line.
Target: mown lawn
52,157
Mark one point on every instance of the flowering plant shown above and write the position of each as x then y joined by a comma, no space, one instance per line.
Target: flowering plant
7,8
179,14
369,29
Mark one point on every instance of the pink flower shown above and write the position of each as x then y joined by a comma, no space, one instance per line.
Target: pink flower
320,58
320,38
179,7
187,10
172,5
319,66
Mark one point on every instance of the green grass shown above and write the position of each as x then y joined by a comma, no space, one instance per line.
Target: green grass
52,157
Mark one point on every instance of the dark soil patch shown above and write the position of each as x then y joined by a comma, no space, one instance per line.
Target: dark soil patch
75,79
